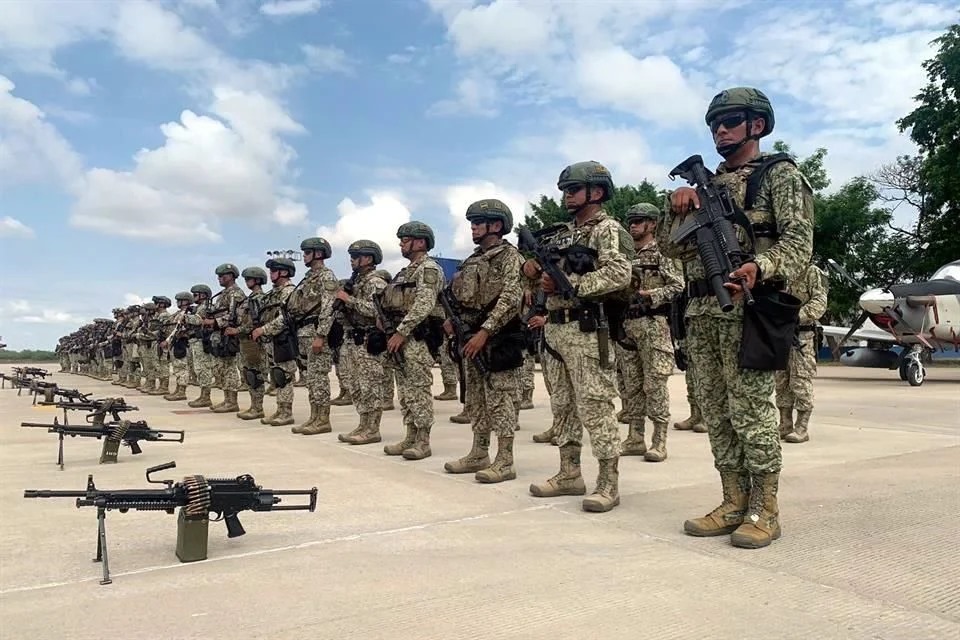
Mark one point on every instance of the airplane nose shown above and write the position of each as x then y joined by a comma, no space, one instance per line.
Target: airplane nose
876,300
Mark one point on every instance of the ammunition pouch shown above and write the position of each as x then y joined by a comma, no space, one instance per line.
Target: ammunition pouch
678,328
580,259
376,342
430,331
335,335
504,350
278,377
252,377
769,329
229,346
358,335
209,344
180,348
286,347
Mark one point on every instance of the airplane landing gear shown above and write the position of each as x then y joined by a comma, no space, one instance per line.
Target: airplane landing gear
911,367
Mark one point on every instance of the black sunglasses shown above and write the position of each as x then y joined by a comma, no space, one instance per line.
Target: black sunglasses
728,120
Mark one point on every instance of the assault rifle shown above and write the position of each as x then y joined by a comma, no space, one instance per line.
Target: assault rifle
196,496
113,434
459,340
388,328
712,230
538,308
98,409
547,258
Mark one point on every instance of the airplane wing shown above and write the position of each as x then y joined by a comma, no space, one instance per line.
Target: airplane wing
864,333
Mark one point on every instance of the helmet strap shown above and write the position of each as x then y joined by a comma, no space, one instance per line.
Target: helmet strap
727,150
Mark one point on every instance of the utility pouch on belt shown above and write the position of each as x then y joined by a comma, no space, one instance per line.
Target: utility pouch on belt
769,327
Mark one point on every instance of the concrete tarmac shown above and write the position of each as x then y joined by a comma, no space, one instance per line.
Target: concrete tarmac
396,549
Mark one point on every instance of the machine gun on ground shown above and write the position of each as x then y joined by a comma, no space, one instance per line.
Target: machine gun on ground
113,434
39,386
197,497
98,409
461,335
712,229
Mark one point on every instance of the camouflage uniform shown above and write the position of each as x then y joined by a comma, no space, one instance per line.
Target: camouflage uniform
410,300
178,343
646,356
795,385
148,335
449,373
737,404
131,352
164,325
252,353
226,367
275,328
488,292
364,370
202,361
695,421
583,384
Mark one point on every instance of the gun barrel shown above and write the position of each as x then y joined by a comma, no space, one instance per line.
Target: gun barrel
37,425
48,493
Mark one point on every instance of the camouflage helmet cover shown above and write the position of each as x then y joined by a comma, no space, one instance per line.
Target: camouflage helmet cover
282,263
591,173
162,300
255,273
383,274
150,306
318,245
491,209
366,248
228,268
201,288
417,229
742,99
184,296
643,211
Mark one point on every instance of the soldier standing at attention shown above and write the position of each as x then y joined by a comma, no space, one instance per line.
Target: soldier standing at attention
225,354
166,322
488,292
361,355
254,357
176,339
736,402
283,349
795,385
581,377
202,361
410,301
649,364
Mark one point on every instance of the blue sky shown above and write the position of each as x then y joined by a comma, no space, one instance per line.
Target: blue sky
144,143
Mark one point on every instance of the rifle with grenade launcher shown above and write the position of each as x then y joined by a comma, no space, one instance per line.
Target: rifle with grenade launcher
389,328
197,496
459,339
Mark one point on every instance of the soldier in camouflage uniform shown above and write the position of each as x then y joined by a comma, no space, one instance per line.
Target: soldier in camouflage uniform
283,346
448,374
737,403
148,335
163,320
695,421
131,352
581,379
389,381
177,341
362,353
202,361
488,291
254,357
410,301
646,355
225,353
795,385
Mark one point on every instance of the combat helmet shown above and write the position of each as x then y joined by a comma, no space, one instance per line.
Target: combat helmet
383,274
642,211
590,173
255,273
162,300
491,209
748,99
317,245
228,268
149,307
417,229
366,248
201,288
183,296
276,264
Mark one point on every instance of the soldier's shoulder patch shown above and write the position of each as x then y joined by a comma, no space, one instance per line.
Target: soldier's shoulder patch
430,275
331,285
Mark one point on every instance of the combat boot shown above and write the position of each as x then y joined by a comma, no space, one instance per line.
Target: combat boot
547,435
420,448
799,433
502,468
658,447
203,400
786,421
449,393
568,481
606,495
369,430
179,394
387,405
321,424
622,416
634,445
163,388
229,404
761,524
343,399
284,414
256,407
729,515
268,419
477,459
398,448
149,386
314,414
695,420
463,418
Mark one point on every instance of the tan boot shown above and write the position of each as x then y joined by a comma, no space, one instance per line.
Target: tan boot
284,414
547,435
786,421
502,468
400,447
314,414
606,495
568,481
179,394
692,422
527,401
342,400
449,393
229,404
268,419
420,448
761,524
256,407
658,447
621,417
478,458
729,515
163,388
634,445
369,430
463,418
321,424
799,433
203,400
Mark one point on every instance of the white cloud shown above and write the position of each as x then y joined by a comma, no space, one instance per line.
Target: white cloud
22,311
377,221
133,298
291,7
459,197
475,95
290,213
327,59
13,228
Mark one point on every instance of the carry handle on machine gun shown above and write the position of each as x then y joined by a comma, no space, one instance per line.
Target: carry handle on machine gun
389,328
712,228
197,497
459,340
113,434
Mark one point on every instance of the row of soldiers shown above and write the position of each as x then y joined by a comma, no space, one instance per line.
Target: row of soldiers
589,281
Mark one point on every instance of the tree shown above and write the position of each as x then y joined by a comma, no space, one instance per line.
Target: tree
933,177
550,211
